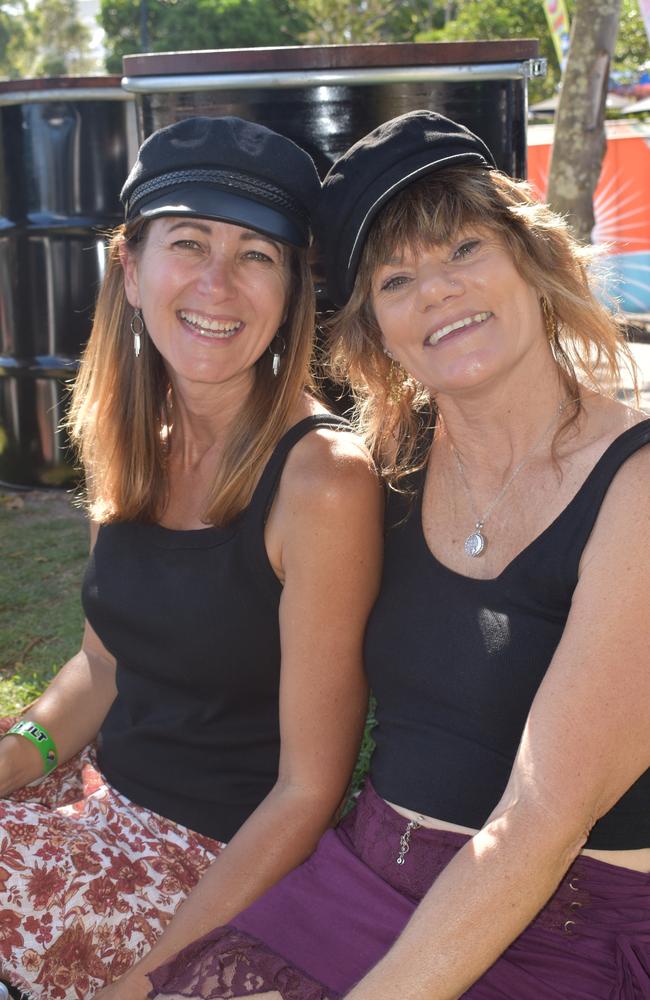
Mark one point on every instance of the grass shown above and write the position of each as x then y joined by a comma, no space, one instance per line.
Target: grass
363,760
43,551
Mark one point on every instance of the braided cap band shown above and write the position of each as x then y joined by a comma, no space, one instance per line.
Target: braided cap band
241,183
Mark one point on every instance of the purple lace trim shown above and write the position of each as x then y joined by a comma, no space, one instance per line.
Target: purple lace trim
227,964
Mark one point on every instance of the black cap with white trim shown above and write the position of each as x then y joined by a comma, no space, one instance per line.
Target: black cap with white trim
372,171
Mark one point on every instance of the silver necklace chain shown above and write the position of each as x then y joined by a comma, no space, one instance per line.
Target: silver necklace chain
475,543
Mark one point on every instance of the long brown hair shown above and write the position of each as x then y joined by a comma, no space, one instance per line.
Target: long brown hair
121,410
586,338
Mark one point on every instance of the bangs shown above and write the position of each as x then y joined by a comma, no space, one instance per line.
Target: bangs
430,212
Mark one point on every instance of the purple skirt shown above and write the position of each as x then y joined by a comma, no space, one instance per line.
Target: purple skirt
326,924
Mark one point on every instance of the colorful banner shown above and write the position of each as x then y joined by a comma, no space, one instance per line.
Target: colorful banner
621,207
558,22
644,7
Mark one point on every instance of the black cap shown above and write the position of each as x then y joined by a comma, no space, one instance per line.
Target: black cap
226,169
372,171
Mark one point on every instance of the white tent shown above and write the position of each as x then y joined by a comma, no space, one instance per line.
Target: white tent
642,105
549,106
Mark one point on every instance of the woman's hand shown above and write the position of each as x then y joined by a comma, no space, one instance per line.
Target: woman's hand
71,709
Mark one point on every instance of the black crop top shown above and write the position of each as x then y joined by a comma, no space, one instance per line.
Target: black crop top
455,663
192,619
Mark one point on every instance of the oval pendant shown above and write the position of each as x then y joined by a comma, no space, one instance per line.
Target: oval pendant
475,543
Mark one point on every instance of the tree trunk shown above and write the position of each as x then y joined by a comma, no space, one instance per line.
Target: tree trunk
579,145
144,25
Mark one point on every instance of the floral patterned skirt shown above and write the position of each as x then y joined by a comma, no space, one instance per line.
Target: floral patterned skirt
88,881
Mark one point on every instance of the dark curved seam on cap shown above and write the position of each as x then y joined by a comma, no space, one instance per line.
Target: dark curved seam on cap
230,179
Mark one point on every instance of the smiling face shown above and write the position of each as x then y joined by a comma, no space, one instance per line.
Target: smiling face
457,315
212,295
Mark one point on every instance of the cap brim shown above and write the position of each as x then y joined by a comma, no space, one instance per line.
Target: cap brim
212,203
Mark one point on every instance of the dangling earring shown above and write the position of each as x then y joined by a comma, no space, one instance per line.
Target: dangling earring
395,380
277,348
137,329
550,320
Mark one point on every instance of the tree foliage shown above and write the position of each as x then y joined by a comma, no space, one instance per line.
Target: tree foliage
632,45
43,39
199,24
468,20
337,22
175,25
12,37
60,41
473,20
340,22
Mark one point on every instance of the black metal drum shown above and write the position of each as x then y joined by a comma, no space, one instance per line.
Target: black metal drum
64,154
326,97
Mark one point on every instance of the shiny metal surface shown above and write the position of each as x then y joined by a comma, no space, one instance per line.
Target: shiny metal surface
332,77
328,119
62,163
19,96
326,97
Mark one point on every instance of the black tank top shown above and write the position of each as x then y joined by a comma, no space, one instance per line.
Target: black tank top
455,663
191,618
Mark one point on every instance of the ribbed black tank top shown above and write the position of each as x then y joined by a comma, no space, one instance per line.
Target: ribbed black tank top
191,618
455,663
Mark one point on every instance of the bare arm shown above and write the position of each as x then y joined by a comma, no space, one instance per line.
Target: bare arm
72,709
325,538
586,741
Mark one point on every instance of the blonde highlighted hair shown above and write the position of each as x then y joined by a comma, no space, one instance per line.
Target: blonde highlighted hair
122,408
586,338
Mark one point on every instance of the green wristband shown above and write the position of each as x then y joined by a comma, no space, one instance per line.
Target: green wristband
41,740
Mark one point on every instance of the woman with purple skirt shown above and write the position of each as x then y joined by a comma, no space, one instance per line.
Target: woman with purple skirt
501,847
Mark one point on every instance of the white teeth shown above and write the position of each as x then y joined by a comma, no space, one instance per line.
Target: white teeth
211,327
436,337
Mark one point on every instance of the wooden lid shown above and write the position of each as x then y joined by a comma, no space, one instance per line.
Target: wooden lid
317,57
59,83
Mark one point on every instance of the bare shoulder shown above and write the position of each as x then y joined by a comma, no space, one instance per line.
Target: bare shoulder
328,507
627,500
602,422
328,465
634,471
623,522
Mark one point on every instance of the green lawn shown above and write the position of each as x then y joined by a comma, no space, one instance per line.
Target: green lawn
43,550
